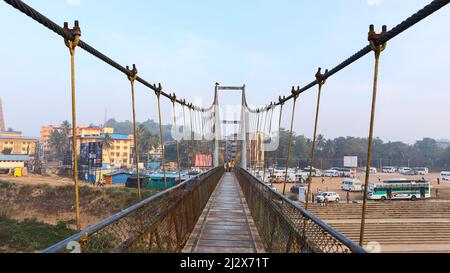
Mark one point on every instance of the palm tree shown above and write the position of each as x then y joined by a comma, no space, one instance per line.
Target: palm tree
66,128
58,143
107,144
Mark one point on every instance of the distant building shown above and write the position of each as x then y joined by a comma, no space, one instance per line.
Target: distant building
155,153
2,119
18,144
443,143
45,135
118,155
82,132
116,178
10,162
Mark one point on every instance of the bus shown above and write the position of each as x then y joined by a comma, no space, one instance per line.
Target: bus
400,189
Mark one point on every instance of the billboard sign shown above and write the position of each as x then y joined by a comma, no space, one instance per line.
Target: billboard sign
203,161
91,154
351,161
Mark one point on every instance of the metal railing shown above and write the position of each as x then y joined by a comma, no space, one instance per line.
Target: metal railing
286,227
159,224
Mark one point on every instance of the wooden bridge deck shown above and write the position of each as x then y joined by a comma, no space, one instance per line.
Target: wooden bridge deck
226,225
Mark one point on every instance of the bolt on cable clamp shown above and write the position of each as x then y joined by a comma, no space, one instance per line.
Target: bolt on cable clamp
375,37
321,78
76,32
132,73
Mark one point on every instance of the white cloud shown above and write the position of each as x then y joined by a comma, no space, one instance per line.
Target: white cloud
73,2
373,2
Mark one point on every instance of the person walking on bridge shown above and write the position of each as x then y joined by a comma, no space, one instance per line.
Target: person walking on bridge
227,167
232,165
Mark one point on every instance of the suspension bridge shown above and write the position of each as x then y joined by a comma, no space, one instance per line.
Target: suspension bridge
219,211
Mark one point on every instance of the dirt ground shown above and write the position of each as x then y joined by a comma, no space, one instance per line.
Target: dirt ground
51,199
52,180
441,191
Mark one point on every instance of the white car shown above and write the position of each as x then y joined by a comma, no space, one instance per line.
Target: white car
332,173
445,176
404,170
315,172
421,171
388,170
328,197
352,185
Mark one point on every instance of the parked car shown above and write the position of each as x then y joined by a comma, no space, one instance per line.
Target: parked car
297,187
410,172
315,172
445,176
388,170
404,170
352,185
421,171
328,197
332,173
301,177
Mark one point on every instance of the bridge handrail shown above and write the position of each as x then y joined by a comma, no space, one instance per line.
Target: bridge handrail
103,224
354,248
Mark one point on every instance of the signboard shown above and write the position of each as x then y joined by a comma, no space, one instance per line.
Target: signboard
91,154
96,154
203,161
302,195
351,161
84,154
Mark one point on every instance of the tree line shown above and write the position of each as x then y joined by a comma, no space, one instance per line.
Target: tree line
330,152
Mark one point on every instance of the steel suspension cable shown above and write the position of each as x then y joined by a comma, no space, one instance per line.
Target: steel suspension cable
186,142
161,139
275,160
321,80
262,140
176,136
377,49
270,136
291,133
72,46
132,79
192,137
255,164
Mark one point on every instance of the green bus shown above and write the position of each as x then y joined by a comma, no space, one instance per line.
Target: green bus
400,189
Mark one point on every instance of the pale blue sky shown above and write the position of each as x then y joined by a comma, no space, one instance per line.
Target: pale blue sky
267,45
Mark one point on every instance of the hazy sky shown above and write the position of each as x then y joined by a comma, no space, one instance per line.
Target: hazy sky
267,45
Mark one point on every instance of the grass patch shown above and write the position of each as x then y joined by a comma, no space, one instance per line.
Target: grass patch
30,235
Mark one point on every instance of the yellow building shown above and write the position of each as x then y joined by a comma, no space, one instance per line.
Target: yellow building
18,144
82,131
89,131
45,135
118,154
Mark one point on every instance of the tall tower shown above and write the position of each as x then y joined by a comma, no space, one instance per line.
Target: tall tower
2,120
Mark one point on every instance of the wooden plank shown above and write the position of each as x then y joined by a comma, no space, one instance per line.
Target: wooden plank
226,225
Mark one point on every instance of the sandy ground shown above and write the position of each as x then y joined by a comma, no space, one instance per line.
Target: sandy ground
441,191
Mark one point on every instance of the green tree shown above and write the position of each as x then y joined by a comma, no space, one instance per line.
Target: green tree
60,141
107,144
